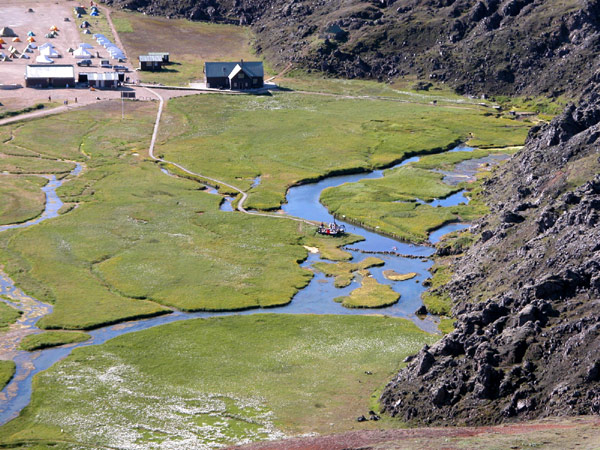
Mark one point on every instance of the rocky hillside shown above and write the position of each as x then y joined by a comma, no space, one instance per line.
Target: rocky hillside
477,46
527,293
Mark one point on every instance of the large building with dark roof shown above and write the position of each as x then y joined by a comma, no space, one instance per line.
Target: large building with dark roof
234,75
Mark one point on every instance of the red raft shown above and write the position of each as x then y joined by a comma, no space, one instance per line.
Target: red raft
333,229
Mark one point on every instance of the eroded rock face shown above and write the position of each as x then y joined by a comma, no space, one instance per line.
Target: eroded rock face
527,337
476,46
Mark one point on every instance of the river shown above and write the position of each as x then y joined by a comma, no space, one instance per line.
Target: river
316,298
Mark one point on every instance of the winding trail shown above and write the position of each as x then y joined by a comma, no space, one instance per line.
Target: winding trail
240,204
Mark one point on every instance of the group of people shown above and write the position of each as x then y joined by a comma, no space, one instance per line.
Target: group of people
65,102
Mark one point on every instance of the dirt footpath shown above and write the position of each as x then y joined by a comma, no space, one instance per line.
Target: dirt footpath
555,433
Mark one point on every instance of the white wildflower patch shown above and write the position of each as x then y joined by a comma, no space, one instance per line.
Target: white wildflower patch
110,403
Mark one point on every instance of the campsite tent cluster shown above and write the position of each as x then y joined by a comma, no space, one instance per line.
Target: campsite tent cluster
114,51
12,51
80,11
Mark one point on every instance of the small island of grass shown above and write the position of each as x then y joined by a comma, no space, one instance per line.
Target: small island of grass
7,370
371,294
52,339
343,272
395,276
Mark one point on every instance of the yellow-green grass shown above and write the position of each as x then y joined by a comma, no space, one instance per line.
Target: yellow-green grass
21,198
52,339
389,204
331,248
8,315
395,276
446,325
399,90
371,294
218,381
140,239
344,272
190,45
7,370
548,106
446,161
32,165
289,138
435,299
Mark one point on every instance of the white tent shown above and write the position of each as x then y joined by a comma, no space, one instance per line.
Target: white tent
32,45
98,35
50,52
24,56
86,46
82,53
46,45
117,54
43,59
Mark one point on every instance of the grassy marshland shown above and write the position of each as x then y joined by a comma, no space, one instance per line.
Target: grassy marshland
218,381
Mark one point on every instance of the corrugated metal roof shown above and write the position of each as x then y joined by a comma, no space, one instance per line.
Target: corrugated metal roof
106,76
223,69
150,58
158,53
44,71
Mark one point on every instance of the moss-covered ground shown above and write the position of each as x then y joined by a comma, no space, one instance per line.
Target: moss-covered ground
435,299
218,381
52,339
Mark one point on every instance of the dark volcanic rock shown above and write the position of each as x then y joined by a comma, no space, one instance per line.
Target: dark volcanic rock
476,46
531,349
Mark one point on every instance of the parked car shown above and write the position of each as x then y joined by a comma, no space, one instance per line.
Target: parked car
121,68
105,63
84,62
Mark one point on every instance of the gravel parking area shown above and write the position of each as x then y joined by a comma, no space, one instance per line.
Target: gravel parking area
15,14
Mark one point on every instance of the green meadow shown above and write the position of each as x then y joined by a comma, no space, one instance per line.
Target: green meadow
8,315
289,138
20,198
140,242
390,205
218,381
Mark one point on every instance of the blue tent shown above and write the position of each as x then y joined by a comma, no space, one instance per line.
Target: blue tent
30,33
94,13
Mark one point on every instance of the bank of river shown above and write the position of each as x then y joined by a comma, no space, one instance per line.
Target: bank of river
316,298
